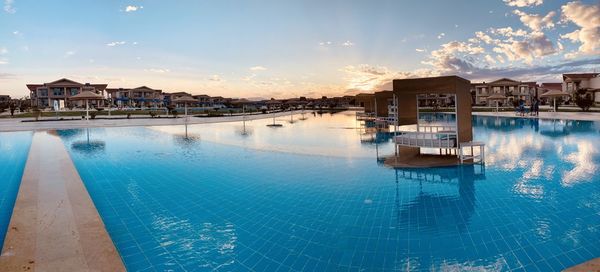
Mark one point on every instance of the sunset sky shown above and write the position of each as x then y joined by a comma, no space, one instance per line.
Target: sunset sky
275,48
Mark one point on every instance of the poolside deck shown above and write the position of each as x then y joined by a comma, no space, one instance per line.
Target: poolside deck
55,225
580,116
15,124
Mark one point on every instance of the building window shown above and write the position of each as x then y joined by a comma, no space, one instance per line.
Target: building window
43,92
58,91
74,91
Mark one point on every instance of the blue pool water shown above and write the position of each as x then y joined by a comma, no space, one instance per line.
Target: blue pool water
14,148
234,199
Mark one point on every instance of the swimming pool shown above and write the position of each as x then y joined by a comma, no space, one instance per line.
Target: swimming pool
222,197
14,147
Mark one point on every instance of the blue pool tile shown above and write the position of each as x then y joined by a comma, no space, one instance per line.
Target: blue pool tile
224,204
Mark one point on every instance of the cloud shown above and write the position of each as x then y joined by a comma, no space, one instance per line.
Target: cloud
587,18
111,44
3,50
500,59
534,46
484,37
534,73
68,54
133,8
523,3
3,61
249,78
158,70
216,78
347,44
490,59
454,56
258,68
420,49
6,75
508,32
366,77
441,35
535,21
8,6
325,43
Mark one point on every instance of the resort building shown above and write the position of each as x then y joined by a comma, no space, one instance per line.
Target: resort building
167,98
511,90
219,101
137,97
44,95
344,101
273,104
588,83
204,100
296,103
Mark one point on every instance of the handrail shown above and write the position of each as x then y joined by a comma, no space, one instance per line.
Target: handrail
435,128
365,114
427,139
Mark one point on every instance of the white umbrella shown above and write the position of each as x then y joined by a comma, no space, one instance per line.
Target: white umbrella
87,96
496,97
554,94
185,100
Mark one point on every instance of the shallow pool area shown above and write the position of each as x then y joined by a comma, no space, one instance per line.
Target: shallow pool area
312,196
14,147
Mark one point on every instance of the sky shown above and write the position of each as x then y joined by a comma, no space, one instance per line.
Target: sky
274,48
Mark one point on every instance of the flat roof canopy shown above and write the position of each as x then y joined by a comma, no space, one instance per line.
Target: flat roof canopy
431,85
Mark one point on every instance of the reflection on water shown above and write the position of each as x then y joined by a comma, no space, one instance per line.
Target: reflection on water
321,134
244,130
429,211
90,145
538,147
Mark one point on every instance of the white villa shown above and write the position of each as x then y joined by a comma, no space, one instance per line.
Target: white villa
511,89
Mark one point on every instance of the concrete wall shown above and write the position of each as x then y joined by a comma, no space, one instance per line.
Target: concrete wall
381,102
367,101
